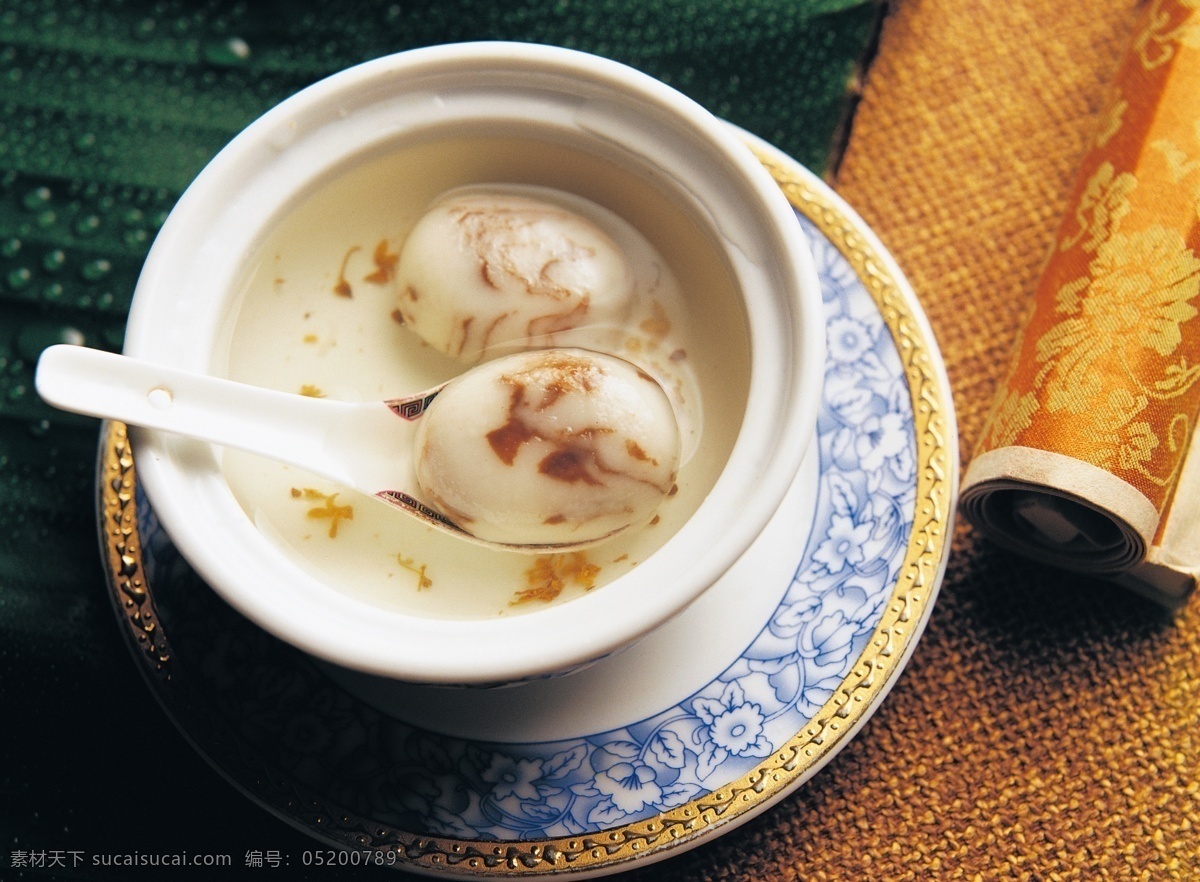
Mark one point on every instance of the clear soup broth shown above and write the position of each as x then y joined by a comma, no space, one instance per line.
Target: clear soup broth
316,315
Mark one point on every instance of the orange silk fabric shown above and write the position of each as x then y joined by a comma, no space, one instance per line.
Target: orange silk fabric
1108,365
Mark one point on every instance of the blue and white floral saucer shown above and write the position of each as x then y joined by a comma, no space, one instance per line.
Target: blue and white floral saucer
697,729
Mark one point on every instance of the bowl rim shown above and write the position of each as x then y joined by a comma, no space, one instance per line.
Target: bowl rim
331,624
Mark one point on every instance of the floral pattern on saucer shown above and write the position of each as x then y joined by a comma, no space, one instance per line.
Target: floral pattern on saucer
272,707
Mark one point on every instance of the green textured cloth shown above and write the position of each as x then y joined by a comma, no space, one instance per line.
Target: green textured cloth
108,109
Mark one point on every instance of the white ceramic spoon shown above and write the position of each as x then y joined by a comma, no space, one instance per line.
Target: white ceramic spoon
365,446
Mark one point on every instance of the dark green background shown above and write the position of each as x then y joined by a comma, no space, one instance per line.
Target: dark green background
107,111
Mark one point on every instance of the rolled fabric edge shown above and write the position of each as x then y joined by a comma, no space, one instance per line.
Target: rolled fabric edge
1058,510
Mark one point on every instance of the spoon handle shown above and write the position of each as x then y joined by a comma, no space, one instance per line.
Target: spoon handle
291,428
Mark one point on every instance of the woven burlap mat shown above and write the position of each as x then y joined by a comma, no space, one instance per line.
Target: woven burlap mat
1046,727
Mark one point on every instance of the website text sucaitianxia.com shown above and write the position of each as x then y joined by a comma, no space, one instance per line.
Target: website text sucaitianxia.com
47,859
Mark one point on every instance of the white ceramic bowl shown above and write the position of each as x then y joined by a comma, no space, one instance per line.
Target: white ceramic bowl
190,285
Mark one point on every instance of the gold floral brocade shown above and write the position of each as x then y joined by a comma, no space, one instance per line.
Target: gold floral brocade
1107,369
